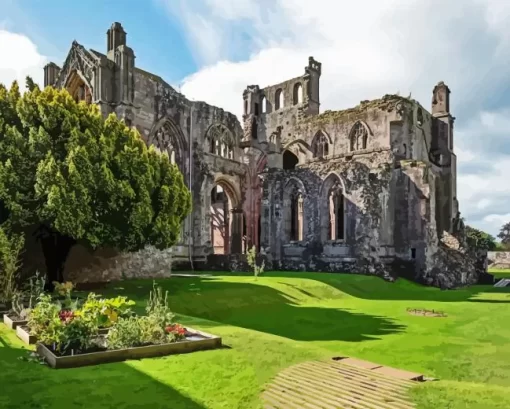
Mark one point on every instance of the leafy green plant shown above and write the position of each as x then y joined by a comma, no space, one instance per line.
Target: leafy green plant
105,311
152,329
35,288
68,333
157,306
42,314
125,333
78,333
18,306
139,331
252,262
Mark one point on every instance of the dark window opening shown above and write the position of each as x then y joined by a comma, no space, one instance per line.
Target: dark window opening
413,253
256,109
217,195
419,117
289,160
259,227
340,227
293,221
254,129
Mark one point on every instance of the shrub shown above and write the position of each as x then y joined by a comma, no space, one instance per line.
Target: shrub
44,312
252,262
157,306
35,288
106,311
66,332
11,247
153,329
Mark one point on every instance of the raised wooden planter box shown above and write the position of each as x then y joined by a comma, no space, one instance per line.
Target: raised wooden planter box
24,335
11,324
197,341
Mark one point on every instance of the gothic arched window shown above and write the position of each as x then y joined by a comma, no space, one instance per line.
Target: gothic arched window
320,145
221,141
358,137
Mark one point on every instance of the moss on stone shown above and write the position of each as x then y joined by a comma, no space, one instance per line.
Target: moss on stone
387,103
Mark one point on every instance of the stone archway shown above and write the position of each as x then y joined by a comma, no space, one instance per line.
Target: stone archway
226,218
78,88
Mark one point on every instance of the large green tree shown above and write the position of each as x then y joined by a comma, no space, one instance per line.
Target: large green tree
80,178
480,240
504,234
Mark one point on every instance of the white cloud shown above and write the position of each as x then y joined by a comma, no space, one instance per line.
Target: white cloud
19,58
370,48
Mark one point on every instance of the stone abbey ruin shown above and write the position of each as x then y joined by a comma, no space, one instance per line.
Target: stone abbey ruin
369,190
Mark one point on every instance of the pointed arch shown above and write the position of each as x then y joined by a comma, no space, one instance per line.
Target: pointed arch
233,193
278,99
294,220
333,214
264,104
358,136
226,217
167,136
301,144
220,140
297,95
320,145
78,86
290,161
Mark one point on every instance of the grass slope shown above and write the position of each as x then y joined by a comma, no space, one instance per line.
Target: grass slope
500,273
279,320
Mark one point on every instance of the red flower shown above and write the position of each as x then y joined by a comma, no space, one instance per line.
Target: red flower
176,329
66,316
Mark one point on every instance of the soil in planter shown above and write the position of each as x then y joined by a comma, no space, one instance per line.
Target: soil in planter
13,316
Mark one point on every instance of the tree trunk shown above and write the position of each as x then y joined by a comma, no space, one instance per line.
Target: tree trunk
55,248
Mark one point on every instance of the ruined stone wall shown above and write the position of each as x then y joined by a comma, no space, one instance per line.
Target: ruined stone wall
499,259
166,119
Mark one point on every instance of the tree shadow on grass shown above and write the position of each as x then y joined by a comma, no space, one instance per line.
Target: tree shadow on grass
31,385
261,308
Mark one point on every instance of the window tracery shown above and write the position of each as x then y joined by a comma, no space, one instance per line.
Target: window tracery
358,137
320,145
221,142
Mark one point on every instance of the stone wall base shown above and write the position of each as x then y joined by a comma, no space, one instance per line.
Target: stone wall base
499,259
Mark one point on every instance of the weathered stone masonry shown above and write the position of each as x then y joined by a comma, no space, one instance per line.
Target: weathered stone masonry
370,189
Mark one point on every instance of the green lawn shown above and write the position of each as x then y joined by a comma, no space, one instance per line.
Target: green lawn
279,320
500,273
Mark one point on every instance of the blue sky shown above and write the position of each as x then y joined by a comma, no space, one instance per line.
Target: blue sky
54,24
214,48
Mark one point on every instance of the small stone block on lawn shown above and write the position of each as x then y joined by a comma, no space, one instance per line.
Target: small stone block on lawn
398,373
358,363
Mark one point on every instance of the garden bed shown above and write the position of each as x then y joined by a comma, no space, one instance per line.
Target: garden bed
194,341
13,322
23,333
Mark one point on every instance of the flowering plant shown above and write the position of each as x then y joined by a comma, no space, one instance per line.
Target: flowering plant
66,316
176,330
